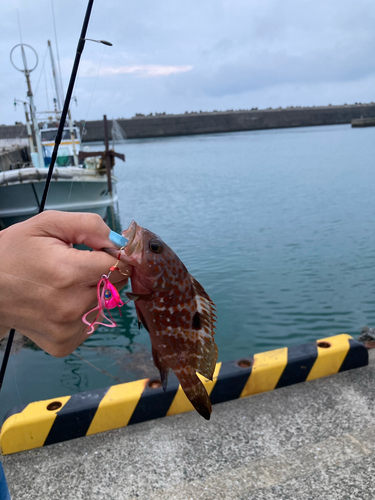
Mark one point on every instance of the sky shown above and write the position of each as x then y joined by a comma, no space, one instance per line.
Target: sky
176,56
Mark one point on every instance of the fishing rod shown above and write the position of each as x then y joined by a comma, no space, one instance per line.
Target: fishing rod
80,47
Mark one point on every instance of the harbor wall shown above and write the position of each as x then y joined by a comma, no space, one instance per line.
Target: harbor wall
162,125
206,123
363,122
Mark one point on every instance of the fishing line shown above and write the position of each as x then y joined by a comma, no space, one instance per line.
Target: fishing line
70,191
101,370
92,94
96,80
41,72
80,47
16,384
45,83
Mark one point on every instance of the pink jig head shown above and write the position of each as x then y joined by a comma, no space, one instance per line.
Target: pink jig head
108,298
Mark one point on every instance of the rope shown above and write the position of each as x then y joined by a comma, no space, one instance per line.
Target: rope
367,334
41,72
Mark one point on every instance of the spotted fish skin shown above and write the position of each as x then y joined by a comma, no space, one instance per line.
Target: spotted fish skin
177,312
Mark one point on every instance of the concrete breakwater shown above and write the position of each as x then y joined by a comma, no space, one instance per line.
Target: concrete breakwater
161,125
363,122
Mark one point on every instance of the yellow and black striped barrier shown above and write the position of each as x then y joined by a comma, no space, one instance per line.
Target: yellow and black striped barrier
55,420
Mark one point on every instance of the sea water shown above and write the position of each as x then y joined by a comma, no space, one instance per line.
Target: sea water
277,225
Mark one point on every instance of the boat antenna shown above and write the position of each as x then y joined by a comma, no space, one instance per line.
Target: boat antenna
19,25
80,47
27,72
57,50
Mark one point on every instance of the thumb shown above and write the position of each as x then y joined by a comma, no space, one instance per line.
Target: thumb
74,228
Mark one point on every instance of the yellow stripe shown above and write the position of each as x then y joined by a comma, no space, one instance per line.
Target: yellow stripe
62,143
181,404
266,372
117,406
29,429
330,359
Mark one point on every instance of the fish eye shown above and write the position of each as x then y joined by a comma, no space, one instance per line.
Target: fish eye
155,246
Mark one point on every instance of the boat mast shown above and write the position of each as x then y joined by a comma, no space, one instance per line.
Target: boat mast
28,127
58,98
32,109
59,104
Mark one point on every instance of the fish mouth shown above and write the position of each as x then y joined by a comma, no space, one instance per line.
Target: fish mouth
134,244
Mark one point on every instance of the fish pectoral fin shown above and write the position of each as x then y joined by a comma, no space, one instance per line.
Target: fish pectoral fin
140,296
163,369
195,391
141,320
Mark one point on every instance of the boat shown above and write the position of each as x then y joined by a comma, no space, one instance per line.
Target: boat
70,144
72,189
80,182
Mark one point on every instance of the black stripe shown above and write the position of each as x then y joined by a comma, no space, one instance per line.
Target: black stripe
74,419
155,403
301,359
357,356
14,410
231,381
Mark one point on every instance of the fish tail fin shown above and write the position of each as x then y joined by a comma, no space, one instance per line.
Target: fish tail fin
195,391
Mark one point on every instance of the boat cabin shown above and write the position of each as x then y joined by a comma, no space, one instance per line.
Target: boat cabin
65,155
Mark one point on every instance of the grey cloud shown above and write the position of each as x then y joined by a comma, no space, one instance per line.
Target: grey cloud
236,48
253,71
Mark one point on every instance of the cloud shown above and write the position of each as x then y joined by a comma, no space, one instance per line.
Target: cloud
247,68
190,55
90,69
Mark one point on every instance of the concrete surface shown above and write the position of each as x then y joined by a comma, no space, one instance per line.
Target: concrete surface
314,440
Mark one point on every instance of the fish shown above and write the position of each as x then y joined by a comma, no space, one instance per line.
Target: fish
176,311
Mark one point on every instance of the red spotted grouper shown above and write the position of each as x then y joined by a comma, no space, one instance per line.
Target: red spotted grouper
175,310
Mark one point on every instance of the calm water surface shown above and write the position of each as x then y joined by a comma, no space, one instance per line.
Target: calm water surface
277,225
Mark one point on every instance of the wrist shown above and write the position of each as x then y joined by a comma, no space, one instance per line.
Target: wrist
6,306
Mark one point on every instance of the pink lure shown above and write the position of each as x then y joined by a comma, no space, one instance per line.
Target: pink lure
108,298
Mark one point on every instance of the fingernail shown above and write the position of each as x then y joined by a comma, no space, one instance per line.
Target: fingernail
118,240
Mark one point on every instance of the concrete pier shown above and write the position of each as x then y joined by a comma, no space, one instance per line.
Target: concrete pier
363,122
162,125
230,121
312,440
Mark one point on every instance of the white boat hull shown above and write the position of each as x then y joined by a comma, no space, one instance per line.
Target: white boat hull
72,189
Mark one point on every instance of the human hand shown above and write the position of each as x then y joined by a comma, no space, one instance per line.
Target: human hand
46,285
